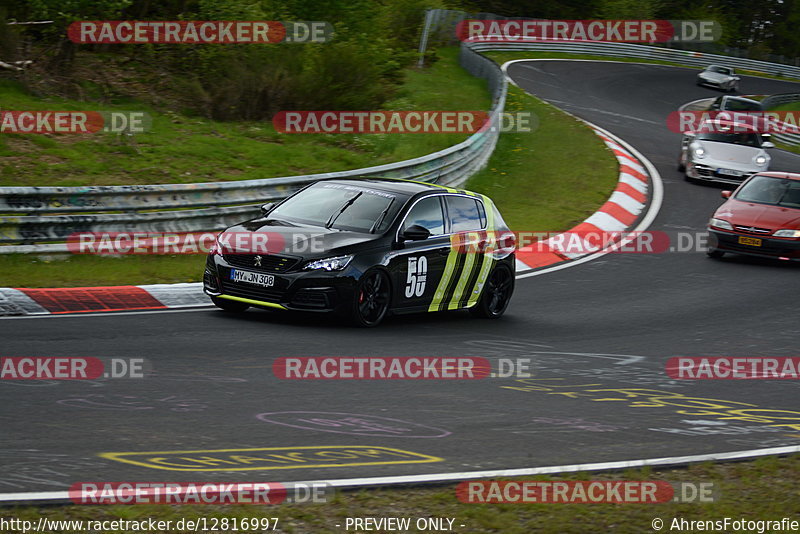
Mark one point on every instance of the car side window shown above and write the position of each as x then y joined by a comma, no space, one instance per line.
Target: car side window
428,214
465,214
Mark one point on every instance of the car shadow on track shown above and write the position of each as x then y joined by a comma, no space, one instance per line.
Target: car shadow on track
448,319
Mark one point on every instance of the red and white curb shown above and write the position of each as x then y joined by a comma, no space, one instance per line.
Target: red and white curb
639,182
620,212
631,207
54,301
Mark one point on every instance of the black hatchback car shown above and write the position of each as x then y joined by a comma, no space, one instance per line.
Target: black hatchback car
364,248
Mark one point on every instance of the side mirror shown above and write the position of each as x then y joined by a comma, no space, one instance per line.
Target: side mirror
266,208
767,144
415,232
726,194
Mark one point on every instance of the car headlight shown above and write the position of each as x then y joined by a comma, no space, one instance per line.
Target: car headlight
329,264
719,223
761,160
699,152
787,233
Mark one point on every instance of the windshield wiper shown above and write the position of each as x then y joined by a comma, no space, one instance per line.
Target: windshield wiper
380,218
347,204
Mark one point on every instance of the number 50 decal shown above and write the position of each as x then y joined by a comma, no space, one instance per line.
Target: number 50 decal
417,276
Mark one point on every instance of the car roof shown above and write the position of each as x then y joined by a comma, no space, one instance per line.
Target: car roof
736,127
785,175
741,99
723,66
397,185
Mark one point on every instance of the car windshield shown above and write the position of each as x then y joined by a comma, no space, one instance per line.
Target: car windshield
741,138
771,190
720,70
734,104
340,206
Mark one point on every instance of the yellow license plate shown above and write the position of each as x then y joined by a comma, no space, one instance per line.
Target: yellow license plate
752,241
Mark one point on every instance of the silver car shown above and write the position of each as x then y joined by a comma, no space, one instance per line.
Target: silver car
714,155
718,76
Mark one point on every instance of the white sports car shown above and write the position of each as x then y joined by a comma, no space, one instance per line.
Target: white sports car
714,155
718,76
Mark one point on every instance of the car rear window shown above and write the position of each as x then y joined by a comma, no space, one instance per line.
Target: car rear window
732,104
465,214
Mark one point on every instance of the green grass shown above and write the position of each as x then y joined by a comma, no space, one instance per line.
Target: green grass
791,106
546,180
185,149
763,489
79,270
551,178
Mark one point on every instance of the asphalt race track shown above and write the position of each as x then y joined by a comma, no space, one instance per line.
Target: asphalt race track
598,334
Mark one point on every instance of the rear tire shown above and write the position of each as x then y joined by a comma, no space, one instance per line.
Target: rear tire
232,306
496,294
370,299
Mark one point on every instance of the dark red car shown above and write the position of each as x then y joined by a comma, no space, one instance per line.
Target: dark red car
760,218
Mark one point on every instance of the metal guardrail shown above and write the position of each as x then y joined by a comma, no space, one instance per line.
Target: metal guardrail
776,100
636,51
681,57
222,203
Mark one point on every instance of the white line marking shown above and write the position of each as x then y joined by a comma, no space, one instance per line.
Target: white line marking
469,475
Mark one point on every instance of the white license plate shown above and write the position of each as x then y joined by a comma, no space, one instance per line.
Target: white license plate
729,172
248,277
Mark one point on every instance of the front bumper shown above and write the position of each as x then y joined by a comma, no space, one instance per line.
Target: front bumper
770,247
311,291
710,173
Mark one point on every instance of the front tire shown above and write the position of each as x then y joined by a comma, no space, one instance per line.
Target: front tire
714,253
233,306
371,299
496,294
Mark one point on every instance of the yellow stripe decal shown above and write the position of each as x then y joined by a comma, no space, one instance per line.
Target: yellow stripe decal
254,302
470,247
449,267
488,261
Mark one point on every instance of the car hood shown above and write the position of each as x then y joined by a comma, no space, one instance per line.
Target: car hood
715,76
758,215
293,239
730,156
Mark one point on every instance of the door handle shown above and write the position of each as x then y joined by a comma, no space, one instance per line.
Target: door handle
443,251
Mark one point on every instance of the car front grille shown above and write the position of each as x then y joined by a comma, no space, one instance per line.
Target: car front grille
268,263
752,230
247,291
